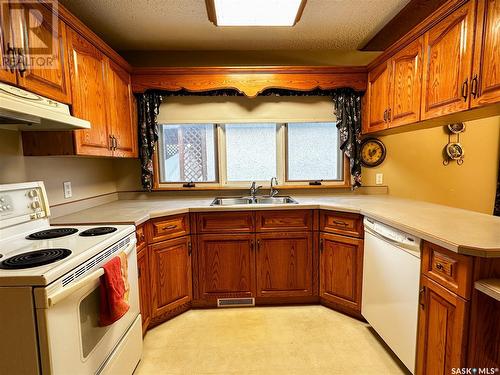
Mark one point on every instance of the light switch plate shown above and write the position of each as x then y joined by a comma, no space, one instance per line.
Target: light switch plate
379,178
68,193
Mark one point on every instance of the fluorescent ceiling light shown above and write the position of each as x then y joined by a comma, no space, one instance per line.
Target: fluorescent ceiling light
255,12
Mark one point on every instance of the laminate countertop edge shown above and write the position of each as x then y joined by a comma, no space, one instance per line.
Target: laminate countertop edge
441,225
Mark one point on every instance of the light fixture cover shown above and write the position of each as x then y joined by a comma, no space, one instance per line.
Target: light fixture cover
255,12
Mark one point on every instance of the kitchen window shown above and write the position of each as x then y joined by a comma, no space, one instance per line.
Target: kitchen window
232,155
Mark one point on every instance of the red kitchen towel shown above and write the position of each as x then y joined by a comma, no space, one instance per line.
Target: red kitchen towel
114,290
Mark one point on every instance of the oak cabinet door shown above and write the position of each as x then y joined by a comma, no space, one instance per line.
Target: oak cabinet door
7,72
447,64
88,77
226,265
377,99
341,270
123,128
405,85
144,287
442,329
47,72
171,281
485,84
284,264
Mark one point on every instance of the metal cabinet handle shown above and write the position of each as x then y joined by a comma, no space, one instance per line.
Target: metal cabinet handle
473,87
169,227
258,245
465,89
421,298
389,115
439,266
190,248
21,57
11,52
111,142
321,245
343,223
385,115
116,142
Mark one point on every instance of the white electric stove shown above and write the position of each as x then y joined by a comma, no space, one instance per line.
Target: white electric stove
49,291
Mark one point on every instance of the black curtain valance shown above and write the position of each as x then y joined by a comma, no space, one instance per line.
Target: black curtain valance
347,108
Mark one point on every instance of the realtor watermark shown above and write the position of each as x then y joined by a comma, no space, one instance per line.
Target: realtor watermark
30,36
475,370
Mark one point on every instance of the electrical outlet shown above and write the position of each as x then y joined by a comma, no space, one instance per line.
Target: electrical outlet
379,178
68,193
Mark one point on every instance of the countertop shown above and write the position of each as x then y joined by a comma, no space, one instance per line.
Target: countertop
458,230
490,287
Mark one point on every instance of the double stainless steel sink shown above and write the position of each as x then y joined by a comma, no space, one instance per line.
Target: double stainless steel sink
230,201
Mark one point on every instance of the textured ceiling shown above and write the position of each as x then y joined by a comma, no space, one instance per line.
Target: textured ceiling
183,25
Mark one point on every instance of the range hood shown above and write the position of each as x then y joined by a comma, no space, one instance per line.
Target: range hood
24,110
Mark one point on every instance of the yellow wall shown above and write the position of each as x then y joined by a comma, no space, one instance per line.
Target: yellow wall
414,166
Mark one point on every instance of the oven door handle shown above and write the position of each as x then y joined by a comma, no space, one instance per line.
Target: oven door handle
91,279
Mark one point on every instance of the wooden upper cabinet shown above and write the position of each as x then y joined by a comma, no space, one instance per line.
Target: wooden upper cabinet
170,277
485,83
46,72
447,64
405,85
88,77
123,125
377,99
284,264
7,73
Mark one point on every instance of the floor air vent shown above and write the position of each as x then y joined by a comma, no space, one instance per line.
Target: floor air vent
235,302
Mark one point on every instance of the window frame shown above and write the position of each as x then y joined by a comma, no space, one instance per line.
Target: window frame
222,183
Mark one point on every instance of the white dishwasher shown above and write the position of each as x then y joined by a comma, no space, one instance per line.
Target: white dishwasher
391,274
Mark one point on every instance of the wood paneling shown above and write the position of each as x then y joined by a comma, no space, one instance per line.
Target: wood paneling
485,80
405,85
140,234
123,127
248,80
226,265
442,329
226,222
452,270
344,223
164,228
447,64
284,264
341,270
170,267
88,77
377,99
286,220
45,74
144,287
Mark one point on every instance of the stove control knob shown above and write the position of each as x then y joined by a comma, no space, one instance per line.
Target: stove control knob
35,205
32,193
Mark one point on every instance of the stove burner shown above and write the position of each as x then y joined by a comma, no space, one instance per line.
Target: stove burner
50,233
98,231
34,259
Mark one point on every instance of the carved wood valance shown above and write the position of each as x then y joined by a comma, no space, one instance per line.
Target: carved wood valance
249,81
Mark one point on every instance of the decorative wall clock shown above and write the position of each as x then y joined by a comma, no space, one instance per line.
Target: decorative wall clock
373,152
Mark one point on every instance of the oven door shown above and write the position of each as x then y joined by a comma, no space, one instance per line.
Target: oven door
71,340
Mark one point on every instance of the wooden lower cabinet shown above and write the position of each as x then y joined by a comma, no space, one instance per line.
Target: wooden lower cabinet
144,287
442,329
226,266
171,278
341,271
284,264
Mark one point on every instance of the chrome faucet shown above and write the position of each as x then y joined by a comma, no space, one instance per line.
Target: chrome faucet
254,189
273,191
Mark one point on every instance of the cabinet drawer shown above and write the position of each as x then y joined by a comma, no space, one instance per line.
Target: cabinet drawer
290,220
140,234
449,269
226,222
164,228
342,223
